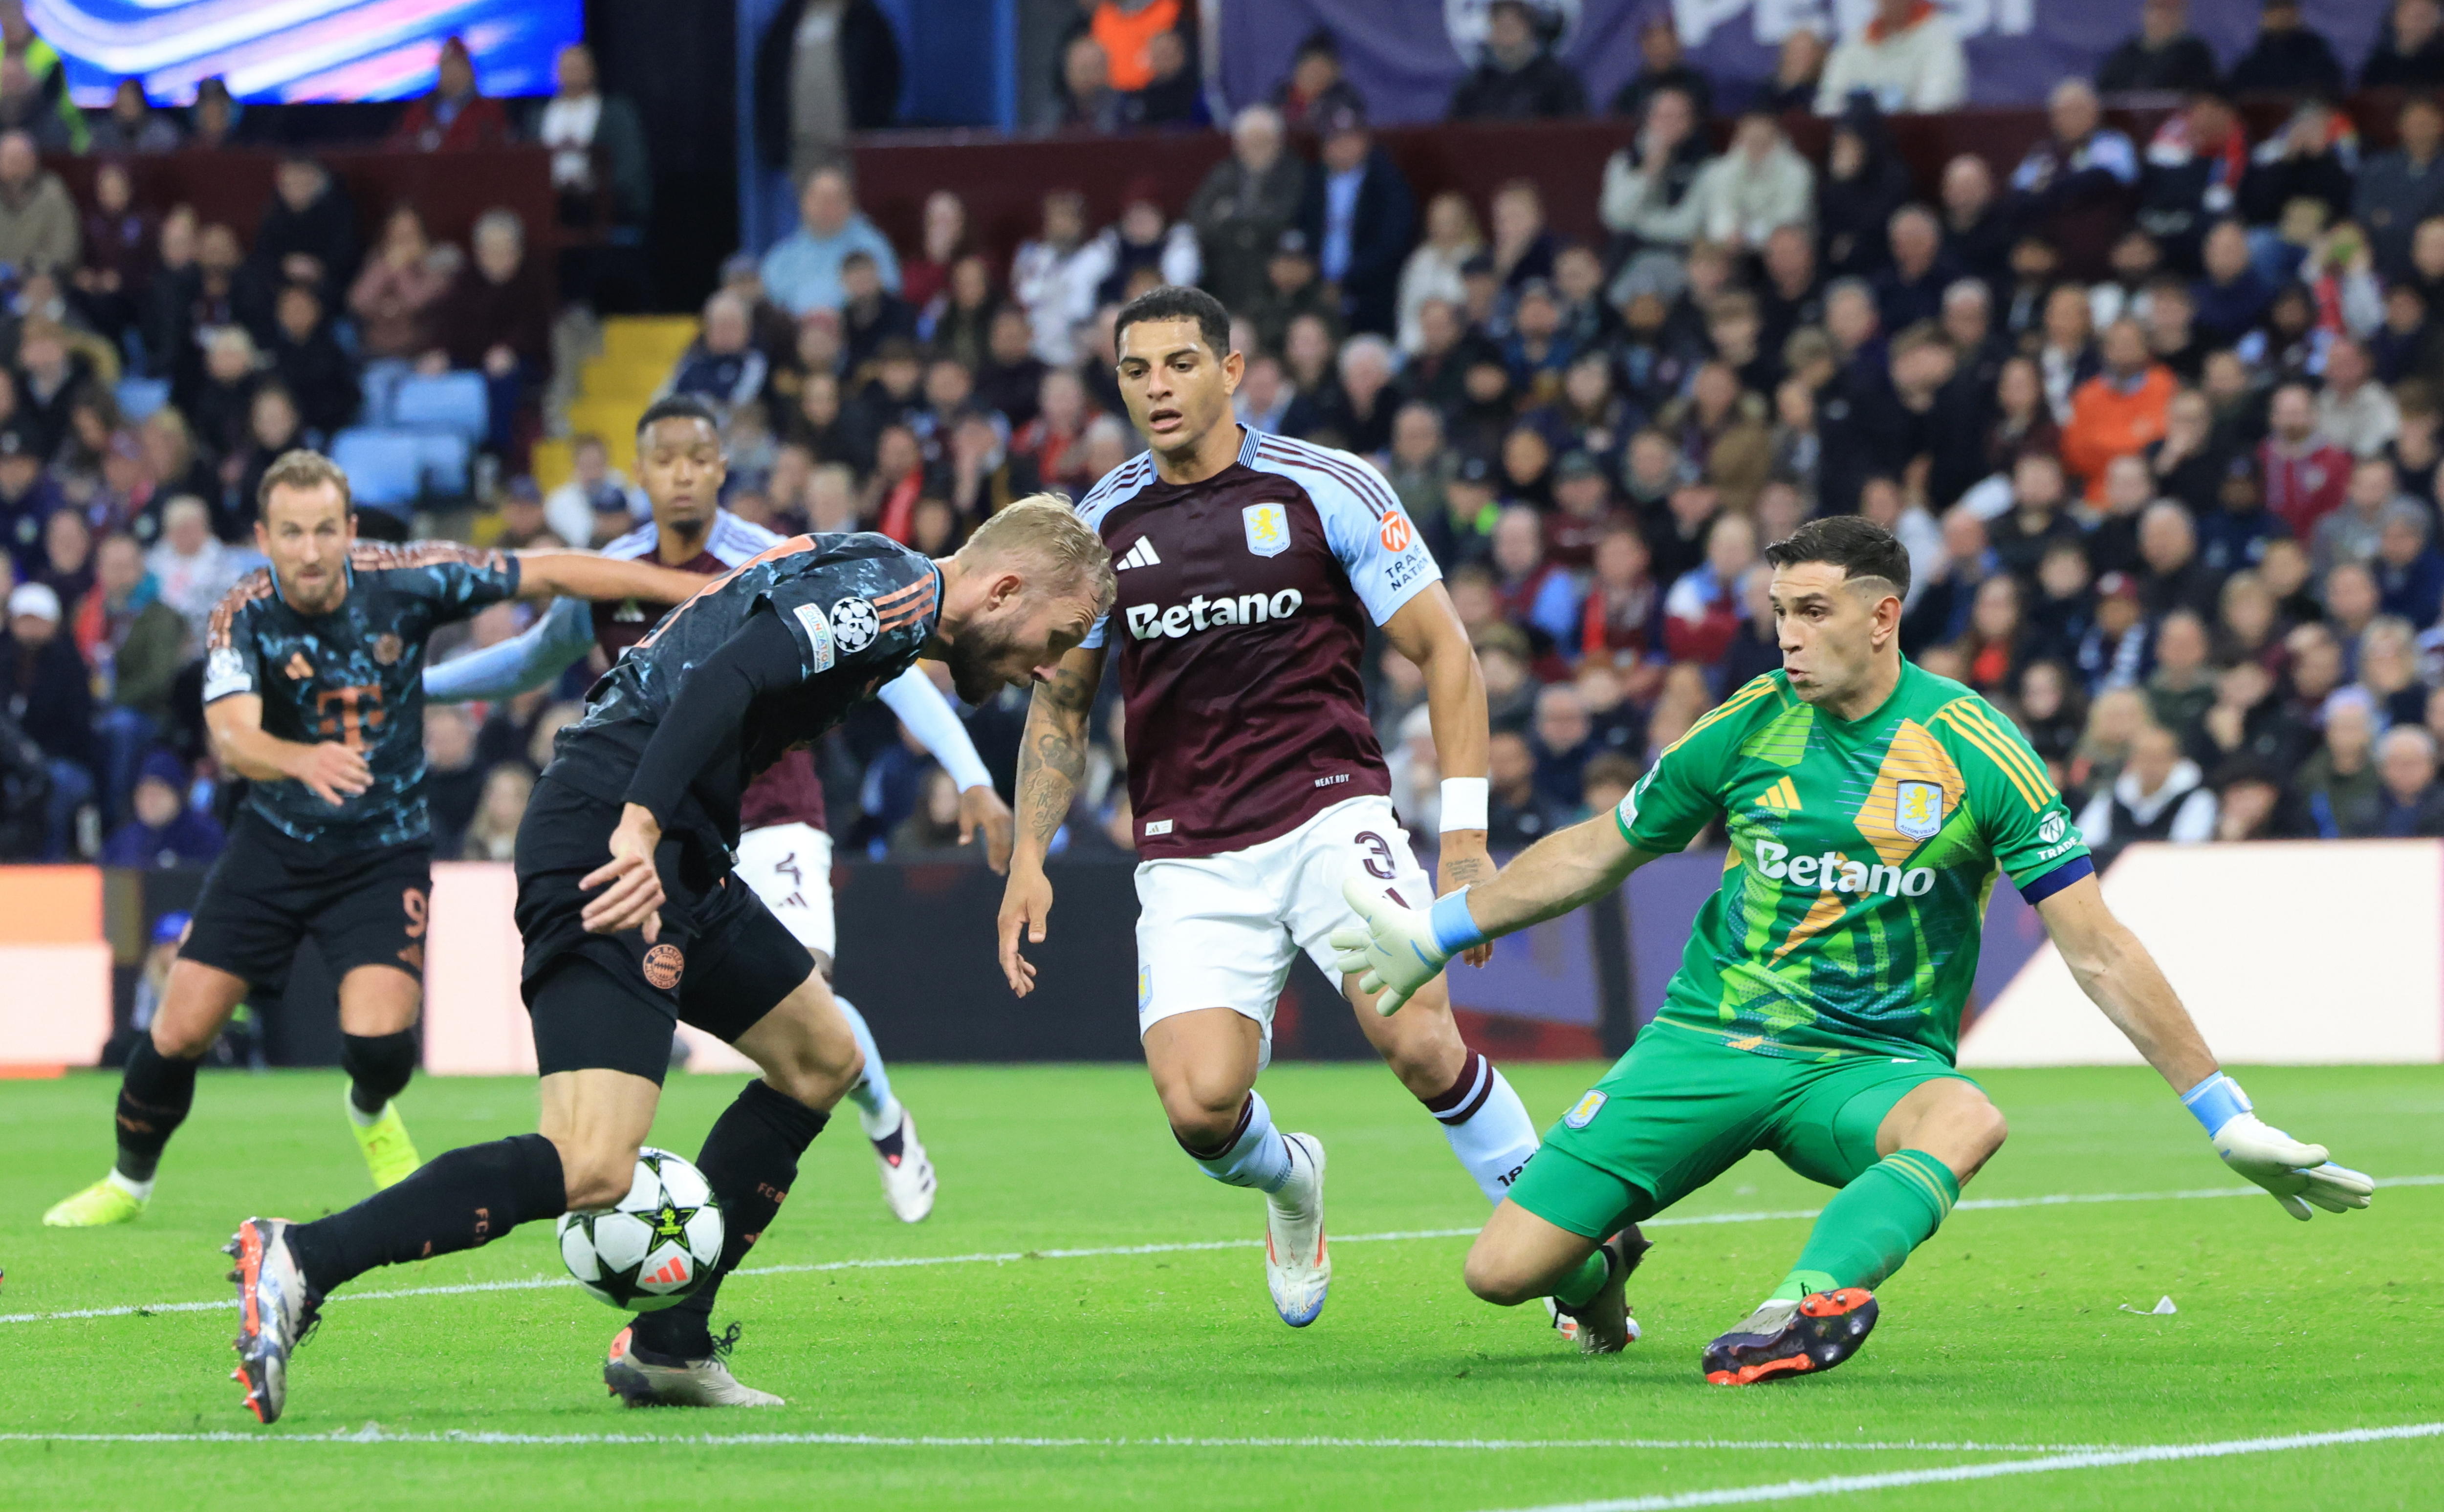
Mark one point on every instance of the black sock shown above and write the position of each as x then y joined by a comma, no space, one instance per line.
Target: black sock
749,1159
458,1201
154,1096
378,1066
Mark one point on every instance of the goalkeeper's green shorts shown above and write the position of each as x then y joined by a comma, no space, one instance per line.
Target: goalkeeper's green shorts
1682,1107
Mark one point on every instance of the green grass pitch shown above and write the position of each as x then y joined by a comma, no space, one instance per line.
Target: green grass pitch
1053,1380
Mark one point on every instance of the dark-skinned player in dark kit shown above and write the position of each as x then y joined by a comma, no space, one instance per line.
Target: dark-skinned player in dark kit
633,922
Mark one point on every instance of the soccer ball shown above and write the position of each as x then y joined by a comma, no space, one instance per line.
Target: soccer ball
656,1246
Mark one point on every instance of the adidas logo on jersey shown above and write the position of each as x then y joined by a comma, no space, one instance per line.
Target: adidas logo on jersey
1147,621
1780,796
1835,873
1141,555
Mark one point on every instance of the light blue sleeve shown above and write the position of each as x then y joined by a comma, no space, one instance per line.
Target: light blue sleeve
929,717
521,664
1556,609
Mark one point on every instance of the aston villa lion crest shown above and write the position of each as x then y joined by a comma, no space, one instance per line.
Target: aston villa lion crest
1268,529
1917,809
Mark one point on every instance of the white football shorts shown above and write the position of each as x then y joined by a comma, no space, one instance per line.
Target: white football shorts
789,866
1221,932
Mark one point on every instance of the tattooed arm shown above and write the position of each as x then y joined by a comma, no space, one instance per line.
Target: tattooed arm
1428,631
1051,760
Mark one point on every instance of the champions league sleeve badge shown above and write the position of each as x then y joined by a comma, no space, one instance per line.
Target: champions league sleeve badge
854,625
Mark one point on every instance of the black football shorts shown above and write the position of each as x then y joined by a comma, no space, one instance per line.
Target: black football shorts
268,894
720,962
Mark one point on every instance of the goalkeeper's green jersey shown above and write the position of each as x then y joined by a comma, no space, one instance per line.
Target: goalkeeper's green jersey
1863,852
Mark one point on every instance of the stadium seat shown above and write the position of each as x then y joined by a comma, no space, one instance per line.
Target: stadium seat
140,397
385,469
455,402
444,457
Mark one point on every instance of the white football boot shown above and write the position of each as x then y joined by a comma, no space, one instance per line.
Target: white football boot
1298,1265
689,1383
276,1310
907,1172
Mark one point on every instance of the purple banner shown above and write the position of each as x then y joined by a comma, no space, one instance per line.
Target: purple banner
1405,56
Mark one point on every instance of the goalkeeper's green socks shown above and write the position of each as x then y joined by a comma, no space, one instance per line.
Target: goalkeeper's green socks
1871,1225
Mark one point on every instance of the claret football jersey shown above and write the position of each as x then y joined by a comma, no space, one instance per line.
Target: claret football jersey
1242,609
1863,852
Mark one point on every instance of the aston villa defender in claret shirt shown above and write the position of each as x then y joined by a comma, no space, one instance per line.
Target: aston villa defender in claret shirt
1250,568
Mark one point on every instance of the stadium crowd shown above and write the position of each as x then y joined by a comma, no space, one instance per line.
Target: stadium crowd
2160,420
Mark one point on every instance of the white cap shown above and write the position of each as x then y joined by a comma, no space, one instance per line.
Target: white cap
34,598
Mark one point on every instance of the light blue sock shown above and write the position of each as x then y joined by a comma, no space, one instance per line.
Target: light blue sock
877,1108
1257,1156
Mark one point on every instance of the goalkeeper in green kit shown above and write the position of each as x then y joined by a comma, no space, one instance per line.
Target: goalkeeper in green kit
1815,1014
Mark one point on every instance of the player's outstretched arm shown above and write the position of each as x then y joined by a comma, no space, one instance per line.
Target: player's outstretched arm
521,664
929,717
1427,631
1051,761
334,772
584,575
2121,978
1400,948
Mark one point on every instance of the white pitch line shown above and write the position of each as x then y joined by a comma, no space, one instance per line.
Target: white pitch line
373,1433
1008,1256
2082,1459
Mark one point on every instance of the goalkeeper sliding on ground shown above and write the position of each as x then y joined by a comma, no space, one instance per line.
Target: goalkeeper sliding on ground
1869,805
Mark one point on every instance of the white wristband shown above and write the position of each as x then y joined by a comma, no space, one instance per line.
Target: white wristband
1464,800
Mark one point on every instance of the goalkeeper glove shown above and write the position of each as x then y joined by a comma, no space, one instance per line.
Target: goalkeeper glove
1400,948
2297,1174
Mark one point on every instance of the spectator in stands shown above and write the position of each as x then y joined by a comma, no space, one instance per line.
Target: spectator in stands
66,554
2409,803
1054,277
1315,83
594,486
2118,412
1649,201
109,283
2038,519
495,319
1172,93
2409,53
1865,181
1245,204
1517,814
163,831
2409,569
46,75
1798,72
2289,58
2165,57
308,232
1084,99
1907,57
2160,795
1360,218
223,398
53,372
1563,739
394,297
1977,234
2310,158
306,356
1433,270
131,125
27,498
2399,189
823,68
194,569
1703,609
46,689
2192,175
600,174
2354,411
721,366
274,428
2078,177
492,835
1910,287
38,221
1662,64
1517,78
215,119
456,114
2182,687
802,272
1757,188
2337,784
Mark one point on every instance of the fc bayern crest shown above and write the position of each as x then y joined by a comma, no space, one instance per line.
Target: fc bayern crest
1268,529
1917,809
387,649
854,626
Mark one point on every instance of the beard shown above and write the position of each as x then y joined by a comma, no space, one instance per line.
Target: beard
971,659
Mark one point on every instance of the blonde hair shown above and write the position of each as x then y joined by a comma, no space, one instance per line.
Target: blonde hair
1044,527
303,468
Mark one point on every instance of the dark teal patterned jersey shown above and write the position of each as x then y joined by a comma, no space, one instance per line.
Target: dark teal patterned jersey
858,608
355,675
